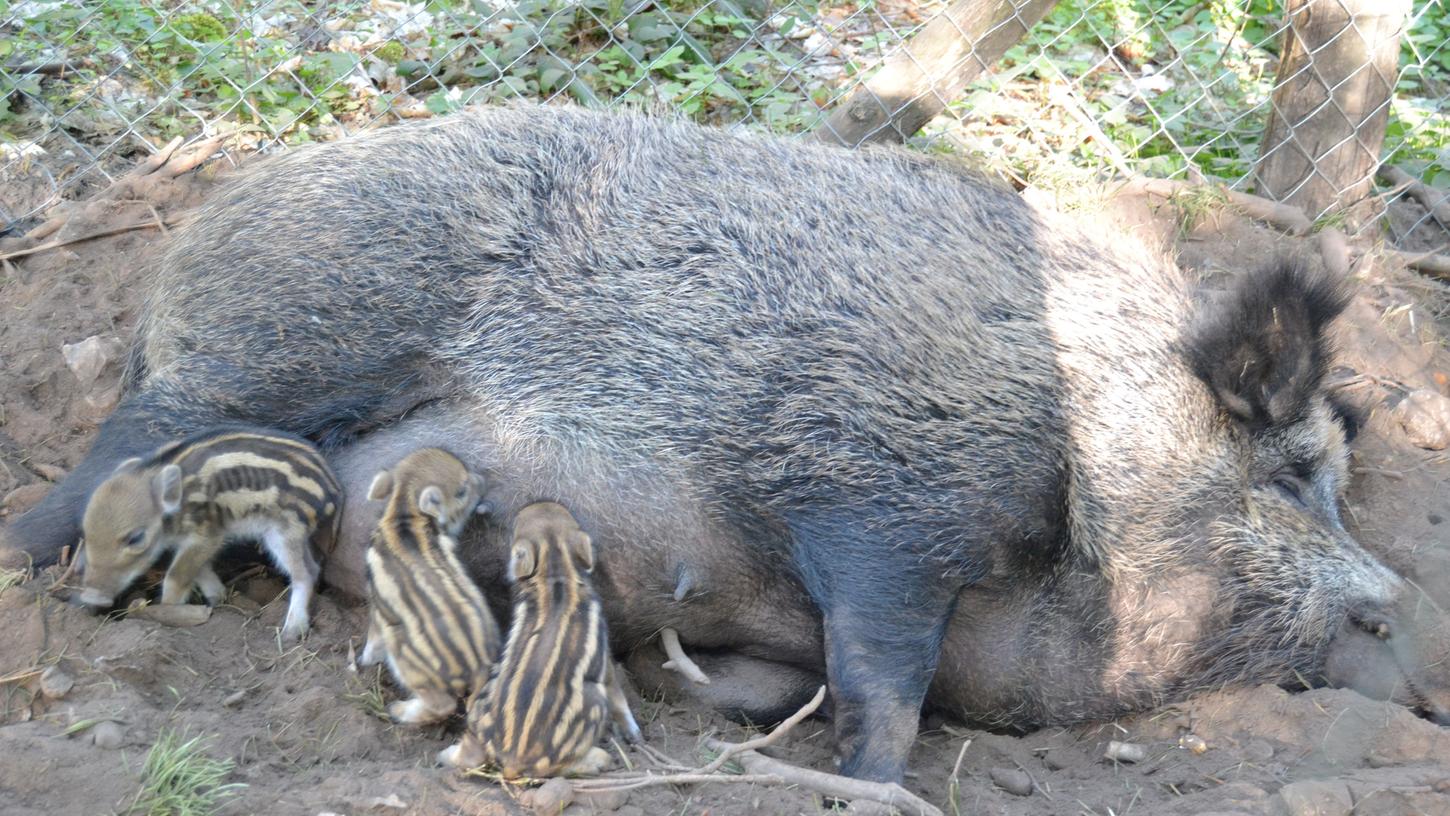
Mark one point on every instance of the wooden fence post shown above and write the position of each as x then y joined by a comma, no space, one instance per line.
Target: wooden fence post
1338,64
930,70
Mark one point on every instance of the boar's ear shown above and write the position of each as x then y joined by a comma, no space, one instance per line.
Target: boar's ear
1262,350
521,561
381,487
583,548
167,485
430,501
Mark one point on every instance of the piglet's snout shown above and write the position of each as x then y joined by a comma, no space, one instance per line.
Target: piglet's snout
95,599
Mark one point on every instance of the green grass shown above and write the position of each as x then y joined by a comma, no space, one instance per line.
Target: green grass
370,697
13,577
714,61
180,779
1213,64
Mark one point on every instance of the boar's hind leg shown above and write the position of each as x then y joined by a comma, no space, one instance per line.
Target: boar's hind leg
744,689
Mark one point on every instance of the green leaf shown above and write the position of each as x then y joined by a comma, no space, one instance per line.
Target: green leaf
549,78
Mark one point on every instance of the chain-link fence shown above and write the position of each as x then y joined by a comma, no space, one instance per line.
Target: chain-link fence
1165,88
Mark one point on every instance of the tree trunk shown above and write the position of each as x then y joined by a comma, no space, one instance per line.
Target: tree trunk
930,70
1337,68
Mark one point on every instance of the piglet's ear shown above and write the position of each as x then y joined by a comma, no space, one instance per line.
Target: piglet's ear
521,562
128,465
167,486
382,486
583,548
430,502
1262,349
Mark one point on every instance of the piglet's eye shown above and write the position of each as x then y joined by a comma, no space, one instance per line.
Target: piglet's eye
134,539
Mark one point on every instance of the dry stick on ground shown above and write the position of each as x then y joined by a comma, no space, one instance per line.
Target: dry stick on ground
764,770
835,786
165,164
105,233
679,661
1333,246
70,560
1286,217
1436,201
930,70
1426,263
608,782
1334,249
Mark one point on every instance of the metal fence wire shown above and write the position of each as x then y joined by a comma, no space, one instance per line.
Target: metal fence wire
1164,88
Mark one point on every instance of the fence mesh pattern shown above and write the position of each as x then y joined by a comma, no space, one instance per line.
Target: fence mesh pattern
1165,88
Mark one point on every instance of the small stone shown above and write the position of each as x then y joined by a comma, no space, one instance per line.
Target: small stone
1054,760
1015,782
1241,792
1258,751
1125,752
1317,797
1192,743
109,735
1378,760
389,802
56,683
90,356
602,801
1425,417
49,472
551,797
234,699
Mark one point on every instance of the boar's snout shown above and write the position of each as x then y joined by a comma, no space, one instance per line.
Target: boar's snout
1397,652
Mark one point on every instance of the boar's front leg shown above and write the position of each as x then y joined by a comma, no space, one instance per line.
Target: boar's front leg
886,611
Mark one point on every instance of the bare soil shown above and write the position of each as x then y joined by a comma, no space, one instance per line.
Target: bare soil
303,728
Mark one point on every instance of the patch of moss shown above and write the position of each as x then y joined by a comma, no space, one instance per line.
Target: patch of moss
391,52
199,27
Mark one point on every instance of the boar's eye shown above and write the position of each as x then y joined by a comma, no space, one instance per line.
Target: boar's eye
134,540
462,492
1291,487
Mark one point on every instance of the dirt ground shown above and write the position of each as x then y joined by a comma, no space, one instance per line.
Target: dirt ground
304,730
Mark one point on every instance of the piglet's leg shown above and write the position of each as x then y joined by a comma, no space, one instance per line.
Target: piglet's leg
193,556
374,650
426,706
211,586
595,761
619,704
288,548
467,753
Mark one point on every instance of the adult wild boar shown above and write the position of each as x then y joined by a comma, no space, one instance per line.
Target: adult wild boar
862,411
